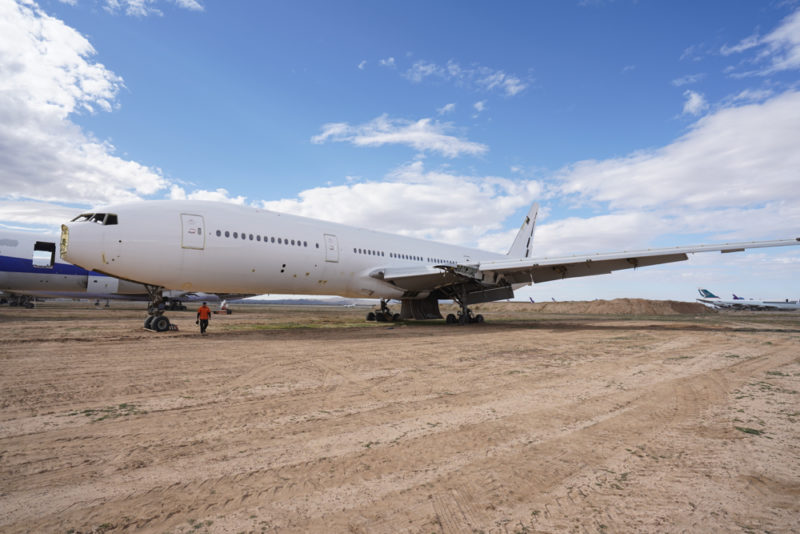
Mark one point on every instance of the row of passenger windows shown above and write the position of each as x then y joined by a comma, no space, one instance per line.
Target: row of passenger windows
401,256
265,239
299,243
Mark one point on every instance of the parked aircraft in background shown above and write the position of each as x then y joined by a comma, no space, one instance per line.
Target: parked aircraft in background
31,268
220,247
739,303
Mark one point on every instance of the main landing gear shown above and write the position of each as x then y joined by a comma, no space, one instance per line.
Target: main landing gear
156,320
384,314
462,318
465,315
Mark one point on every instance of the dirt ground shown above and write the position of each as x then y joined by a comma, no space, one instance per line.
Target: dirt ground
311,420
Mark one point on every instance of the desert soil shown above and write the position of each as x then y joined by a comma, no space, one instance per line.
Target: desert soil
310,420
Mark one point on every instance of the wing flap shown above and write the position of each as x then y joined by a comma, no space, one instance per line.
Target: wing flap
422,278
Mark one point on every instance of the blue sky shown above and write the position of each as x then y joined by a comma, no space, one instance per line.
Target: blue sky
634,124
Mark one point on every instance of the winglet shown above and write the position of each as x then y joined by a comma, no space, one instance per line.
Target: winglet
521,248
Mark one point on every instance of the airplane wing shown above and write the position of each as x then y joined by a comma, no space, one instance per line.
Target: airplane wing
494,279
539,270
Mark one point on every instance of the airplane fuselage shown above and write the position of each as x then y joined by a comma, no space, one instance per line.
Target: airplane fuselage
223,248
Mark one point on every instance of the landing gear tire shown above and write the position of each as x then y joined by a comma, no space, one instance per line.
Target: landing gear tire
148,322
451,319
478,319
383,315
159,323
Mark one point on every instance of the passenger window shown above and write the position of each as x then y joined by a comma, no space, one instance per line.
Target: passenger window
251,237
235,235
219,233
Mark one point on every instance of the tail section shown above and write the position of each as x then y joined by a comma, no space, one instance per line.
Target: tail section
737,298
521,248
705,293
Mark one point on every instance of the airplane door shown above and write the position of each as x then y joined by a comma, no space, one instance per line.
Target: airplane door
193,234
331,248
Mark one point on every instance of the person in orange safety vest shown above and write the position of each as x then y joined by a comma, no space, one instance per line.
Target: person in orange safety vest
203,315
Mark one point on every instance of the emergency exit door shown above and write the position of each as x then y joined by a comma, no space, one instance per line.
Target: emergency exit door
192,231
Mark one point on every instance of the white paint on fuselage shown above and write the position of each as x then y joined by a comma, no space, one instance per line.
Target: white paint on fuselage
146,246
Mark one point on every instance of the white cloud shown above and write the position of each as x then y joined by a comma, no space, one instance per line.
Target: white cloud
414,201
220,195
480,77
479,106
745,44
688,79
447,108
779,50
46,75
362,65
143,8
735,171
26,212
424,135
694,52
388,62
695,103
748,96
422,69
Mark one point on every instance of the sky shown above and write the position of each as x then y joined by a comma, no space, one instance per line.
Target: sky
634,124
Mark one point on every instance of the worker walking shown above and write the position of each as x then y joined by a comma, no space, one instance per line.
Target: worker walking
203,315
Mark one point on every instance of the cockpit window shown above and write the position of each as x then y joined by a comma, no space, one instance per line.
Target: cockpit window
99,218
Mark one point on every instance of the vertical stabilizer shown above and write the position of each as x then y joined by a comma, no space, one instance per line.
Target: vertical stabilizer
521,248
707,294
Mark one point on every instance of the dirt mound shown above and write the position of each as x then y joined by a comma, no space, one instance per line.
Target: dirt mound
625,307
604,307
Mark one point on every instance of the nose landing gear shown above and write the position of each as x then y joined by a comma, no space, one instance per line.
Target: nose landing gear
156,320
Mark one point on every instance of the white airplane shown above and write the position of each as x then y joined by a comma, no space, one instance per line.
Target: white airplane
219,247
739,303
31,267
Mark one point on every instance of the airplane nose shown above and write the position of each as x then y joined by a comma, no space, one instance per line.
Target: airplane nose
76,244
